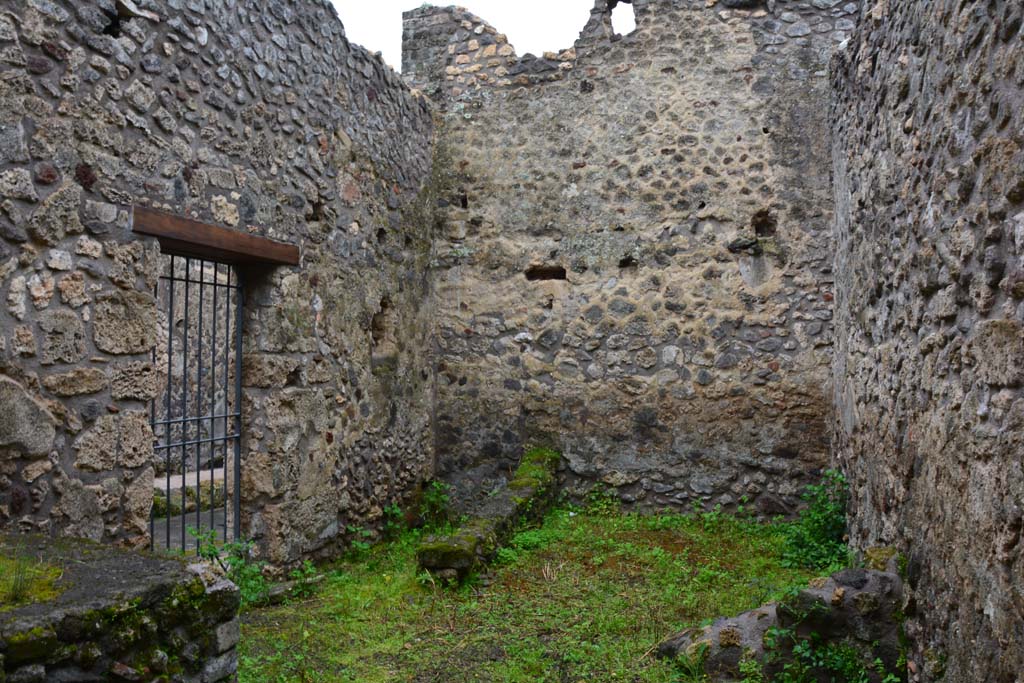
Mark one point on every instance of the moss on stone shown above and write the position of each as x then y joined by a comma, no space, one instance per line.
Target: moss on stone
477,541
32,645
537,469
878,557
461,550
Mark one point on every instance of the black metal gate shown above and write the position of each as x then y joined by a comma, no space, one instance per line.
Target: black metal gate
197,421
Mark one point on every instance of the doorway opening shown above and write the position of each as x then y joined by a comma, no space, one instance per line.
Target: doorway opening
197,418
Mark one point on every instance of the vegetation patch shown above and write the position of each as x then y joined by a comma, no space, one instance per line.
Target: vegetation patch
817,540
582,595
25,580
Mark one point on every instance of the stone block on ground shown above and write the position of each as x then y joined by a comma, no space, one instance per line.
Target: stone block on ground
528,495
857,609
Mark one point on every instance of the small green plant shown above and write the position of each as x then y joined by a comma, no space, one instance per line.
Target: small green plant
360,544
811,657
743,509
602,501
817,540
304,578
506,556
246,573
712,520
425,579
435,512
19,582
751,671
394,521
690,665
206,545
25,579
236,561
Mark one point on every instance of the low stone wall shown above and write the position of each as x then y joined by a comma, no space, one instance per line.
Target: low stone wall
493,519
120,615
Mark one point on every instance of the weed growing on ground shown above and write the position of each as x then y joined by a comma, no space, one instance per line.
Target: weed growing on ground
394,521
19,579
360,543
585,595
435,511
690,665
811,657
236,561
602,501
303,577
23,579
751,670
817,540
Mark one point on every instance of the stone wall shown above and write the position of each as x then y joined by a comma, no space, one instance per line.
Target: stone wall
929,176
119,616
257,116
636,265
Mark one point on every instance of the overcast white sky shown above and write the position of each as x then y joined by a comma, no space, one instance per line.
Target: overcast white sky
531,25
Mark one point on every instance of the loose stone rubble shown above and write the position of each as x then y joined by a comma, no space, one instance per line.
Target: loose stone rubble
526,497
855,608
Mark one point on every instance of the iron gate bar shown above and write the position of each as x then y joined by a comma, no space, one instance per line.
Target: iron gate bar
199,408
167,431
184,401
227,331
152,422
194,419
213,392
193,442
239,305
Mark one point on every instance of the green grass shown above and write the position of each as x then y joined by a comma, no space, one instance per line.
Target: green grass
584,597
24,581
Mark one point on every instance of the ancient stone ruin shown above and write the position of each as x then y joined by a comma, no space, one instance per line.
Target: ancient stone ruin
256,282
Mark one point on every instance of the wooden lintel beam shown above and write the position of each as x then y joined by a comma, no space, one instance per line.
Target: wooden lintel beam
186,237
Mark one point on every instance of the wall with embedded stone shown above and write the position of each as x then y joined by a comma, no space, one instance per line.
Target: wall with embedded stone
258,116
119,615
636,264
929,182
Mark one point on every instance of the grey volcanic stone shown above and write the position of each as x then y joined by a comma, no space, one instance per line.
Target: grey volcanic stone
856,607
25,425
685,247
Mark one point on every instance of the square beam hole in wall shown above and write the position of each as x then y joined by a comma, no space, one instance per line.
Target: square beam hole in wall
764,223
546,272
383,330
